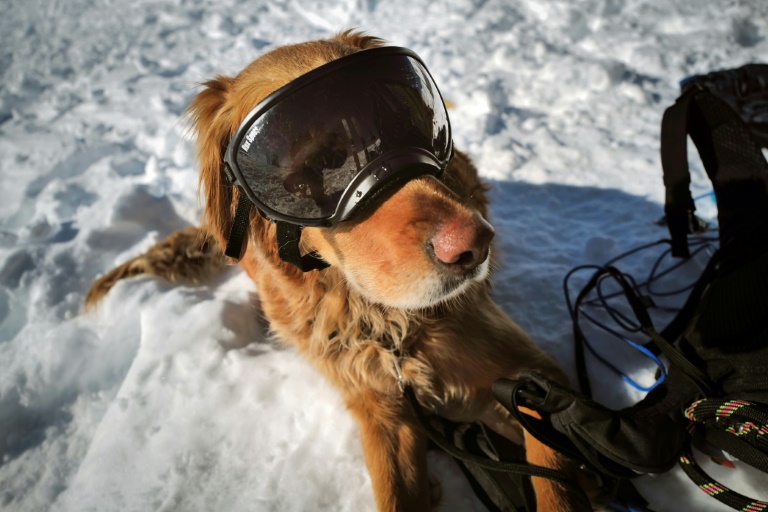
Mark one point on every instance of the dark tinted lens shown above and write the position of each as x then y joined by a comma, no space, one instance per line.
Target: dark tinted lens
300,155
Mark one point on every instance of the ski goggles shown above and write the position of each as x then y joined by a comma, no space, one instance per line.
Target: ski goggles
316,149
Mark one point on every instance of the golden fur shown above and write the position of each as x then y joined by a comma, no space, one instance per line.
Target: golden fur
383,291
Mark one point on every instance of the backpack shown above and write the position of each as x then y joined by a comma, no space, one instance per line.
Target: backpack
716,391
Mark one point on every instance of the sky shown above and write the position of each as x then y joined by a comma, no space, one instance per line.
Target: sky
176,397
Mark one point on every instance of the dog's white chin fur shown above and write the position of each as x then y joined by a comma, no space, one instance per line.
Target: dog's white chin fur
427,291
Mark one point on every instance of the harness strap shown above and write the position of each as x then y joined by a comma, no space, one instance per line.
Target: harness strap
510,467
498,492
495,497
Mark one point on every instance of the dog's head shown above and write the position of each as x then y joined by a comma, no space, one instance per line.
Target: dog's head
416,246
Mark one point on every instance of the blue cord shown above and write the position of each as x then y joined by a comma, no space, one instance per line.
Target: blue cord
651,356
633,344
711,194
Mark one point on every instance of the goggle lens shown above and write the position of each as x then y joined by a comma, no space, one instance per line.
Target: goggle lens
300,155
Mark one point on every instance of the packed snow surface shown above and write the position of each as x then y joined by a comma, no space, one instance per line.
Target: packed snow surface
174,397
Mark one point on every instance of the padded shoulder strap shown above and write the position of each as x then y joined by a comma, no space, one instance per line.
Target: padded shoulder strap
734,164
679,205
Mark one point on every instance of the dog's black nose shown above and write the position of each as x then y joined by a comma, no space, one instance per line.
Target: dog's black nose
461,244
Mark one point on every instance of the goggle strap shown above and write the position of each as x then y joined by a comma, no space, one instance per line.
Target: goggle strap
288,236
239,226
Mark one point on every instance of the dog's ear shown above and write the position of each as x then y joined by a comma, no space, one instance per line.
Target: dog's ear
210,118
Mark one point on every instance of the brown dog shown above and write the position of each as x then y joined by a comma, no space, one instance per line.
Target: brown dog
408,278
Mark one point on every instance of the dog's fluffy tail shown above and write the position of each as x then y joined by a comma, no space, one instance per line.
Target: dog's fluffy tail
186,256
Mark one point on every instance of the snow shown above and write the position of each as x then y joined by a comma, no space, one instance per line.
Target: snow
173,397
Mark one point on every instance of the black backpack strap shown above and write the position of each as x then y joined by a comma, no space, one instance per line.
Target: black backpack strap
495,496
738,170
734,163
497,491
745,89
617,444
679,205
721,113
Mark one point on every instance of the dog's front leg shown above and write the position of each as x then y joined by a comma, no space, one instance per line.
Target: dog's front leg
395,451
550,496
